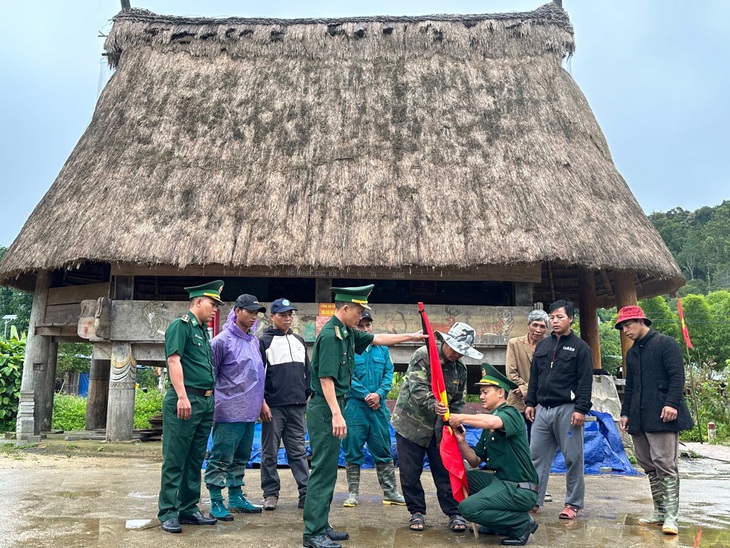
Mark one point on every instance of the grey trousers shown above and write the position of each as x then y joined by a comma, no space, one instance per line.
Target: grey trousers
550,431
287,423
657,452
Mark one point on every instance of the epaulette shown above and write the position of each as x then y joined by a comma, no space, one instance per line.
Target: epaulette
337,332
185,318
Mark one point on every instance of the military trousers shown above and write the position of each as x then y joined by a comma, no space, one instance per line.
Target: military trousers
323,477
498,505
365,425
183,451
229,454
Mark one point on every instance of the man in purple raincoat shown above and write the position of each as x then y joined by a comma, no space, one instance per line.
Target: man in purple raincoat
239,394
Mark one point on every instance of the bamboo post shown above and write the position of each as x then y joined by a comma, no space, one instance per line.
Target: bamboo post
588,306
36,355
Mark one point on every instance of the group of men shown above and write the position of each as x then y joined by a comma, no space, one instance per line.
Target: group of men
230,382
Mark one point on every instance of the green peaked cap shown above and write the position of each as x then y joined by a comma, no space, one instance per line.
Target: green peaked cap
358,295
211,289
492,377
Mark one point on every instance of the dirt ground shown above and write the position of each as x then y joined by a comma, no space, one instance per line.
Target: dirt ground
85,493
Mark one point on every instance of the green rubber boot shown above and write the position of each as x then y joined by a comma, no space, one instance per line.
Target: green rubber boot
386,478
657,494
671,506
353,484
237,502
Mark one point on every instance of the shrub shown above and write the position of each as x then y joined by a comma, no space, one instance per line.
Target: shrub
146,406
69,412
12,352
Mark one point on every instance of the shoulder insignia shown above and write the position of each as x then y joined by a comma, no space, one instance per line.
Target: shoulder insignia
185,318
337,332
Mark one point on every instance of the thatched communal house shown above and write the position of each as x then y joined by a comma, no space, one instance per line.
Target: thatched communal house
450,159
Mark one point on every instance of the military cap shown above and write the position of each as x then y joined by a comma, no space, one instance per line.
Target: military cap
211,289
358,295
492,377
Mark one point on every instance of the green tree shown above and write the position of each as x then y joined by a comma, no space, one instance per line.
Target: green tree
661,316
698,319
73,358
13,301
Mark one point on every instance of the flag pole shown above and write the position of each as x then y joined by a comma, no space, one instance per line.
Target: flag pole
694,393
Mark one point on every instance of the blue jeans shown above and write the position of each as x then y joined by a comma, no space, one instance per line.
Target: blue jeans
230,453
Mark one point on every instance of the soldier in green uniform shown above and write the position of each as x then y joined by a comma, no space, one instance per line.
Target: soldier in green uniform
187,410
503,493
333,361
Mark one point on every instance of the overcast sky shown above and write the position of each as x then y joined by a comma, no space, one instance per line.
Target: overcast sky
655,73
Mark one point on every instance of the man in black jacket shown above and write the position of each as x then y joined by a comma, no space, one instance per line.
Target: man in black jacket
654,411
558,398
285,398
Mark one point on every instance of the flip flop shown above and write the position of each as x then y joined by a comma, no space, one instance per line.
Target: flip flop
568,512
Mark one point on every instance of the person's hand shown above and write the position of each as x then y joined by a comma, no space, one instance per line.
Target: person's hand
530,414
418,336
339,427
623,424
441,409
265,412
373,400
184,409
668,413
516,392
459,433
578,419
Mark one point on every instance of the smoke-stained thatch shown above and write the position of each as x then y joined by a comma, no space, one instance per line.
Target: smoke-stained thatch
388,142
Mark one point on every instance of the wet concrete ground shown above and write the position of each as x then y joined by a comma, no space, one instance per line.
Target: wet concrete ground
77,498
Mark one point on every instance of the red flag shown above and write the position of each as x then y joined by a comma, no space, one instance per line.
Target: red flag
449,447
685,333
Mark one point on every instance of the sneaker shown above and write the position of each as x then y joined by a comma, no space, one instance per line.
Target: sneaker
239,503
270,503
218,510
548,497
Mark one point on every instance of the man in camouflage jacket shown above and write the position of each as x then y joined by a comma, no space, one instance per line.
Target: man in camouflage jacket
417,420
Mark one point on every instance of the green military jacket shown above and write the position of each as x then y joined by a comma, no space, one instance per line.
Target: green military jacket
333,355
190,339
506,451
414,416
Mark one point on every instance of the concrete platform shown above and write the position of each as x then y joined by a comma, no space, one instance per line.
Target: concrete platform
92,494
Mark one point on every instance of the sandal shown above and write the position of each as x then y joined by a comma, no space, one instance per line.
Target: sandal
457,523
417,522
568,512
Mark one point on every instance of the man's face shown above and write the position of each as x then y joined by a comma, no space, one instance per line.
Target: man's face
560,321
633,329
365,325
205,309
282,320
245,318
352,313
449,353
490,396
536,330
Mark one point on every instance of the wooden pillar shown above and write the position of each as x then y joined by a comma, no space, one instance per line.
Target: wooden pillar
122,381
45,384
36,355
523,294
625,295
98,398
588,306
122,376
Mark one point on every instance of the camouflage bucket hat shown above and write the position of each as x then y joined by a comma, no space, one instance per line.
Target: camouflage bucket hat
461,338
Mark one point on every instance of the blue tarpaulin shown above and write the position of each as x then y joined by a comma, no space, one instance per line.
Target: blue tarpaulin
603,448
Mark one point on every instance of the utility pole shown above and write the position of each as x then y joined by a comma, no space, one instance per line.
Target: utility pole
126,5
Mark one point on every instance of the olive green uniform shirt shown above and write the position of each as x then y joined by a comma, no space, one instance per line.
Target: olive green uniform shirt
190,339
333,355
505,451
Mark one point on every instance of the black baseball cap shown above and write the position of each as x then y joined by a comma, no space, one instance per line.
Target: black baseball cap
366,316
250,303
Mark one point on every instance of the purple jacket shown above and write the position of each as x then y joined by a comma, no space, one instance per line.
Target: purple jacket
239,374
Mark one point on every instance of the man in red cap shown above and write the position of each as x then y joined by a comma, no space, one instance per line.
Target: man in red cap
654,411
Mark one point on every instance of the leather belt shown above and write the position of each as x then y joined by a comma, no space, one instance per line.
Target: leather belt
198,391
528,485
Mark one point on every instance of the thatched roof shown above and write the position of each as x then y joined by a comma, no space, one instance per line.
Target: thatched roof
444,141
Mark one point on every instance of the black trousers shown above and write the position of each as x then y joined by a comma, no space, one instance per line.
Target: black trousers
410,467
